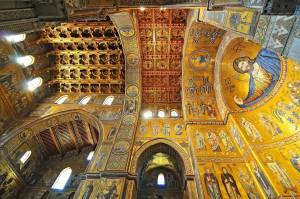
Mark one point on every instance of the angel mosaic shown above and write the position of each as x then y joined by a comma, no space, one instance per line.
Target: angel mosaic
271,126
248,185
227,142
200,142
251,130
213,141
235,133
286,113
295,160
280,173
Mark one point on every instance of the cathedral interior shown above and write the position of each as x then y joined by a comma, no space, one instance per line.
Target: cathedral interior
149,99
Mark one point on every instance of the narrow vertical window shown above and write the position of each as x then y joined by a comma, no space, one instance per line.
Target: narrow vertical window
15,38
25,156
161,113
90,156
62,179
85,100
34,83
108,101
174,113
161,179
61,100
147,114
25,60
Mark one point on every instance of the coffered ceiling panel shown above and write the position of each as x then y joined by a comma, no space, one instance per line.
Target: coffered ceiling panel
162,37
86,57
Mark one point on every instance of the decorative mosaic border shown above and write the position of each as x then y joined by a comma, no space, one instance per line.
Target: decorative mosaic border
119,156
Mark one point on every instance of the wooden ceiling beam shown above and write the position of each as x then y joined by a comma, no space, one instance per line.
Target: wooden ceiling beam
56,141
73,136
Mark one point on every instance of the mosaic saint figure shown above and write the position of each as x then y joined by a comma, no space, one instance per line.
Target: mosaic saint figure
286,112
212,185
166,129
235,133
295,160
227,142
155,129
263,181
281,174
230,185
200,143
264,72
251,130
213,141
248,185
295,92
271,127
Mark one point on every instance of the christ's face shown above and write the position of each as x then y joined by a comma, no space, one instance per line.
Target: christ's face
244,66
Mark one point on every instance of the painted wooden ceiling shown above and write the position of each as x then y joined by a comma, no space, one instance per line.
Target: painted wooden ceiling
162,37
67,136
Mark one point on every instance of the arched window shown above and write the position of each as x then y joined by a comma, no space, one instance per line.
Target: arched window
174,113
25,156
61,100
108,101
15,38
161,179
161,113
85,100
90,156
25,60
34,83
62,179
147,114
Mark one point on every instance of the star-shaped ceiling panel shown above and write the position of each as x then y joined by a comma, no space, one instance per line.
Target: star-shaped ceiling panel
162,37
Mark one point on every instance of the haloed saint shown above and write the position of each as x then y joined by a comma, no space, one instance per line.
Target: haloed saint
264,72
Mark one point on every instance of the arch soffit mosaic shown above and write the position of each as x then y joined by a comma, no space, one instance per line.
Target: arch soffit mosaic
222,106
21,133
182,153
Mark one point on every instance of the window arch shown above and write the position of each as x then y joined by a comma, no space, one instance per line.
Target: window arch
174,113
25,61
161,113
62,99
161,179
108,100
34,83
15,38
62,179
85,100
25,156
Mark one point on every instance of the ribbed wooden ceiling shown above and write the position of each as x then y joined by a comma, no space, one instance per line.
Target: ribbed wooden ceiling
67,136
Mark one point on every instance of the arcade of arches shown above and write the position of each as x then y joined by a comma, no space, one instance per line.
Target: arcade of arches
149,99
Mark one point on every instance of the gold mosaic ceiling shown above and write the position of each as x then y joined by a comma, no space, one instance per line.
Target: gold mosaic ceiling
86,57
162,37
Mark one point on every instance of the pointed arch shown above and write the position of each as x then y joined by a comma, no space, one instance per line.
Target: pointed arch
185,157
